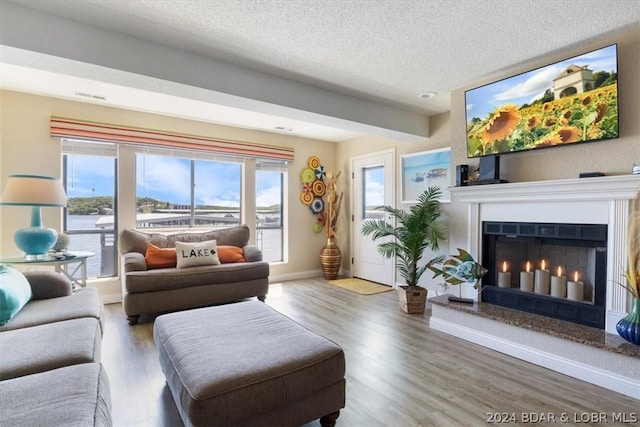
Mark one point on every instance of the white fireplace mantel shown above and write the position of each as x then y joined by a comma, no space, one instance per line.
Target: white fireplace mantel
606,188
596,200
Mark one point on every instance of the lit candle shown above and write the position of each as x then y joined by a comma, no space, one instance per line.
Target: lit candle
559,285
575,289
542,280
526,279
504,277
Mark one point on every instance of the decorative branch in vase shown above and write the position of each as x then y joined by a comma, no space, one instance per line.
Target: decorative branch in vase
334,201
629,326
330,254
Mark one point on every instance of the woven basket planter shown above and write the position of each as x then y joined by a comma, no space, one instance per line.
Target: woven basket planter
412,300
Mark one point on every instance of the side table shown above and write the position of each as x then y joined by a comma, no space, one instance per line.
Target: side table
73,265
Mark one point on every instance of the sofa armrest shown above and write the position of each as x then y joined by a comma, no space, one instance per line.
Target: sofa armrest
252,253
134,261
48,284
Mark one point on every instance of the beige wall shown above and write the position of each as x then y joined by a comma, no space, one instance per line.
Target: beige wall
613,157
440,137
25,147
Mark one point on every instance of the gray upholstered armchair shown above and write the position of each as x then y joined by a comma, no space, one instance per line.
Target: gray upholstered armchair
170,288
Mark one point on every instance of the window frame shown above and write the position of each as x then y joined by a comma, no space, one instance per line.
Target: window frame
97,149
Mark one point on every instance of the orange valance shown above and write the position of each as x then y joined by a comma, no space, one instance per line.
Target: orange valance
62,127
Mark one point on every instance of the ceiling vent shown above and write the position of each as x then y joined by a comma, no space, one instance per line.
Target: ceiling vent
91,96
283,129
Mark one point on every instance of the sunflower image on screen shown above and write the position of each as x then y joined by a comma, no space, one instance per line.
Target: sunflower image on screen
567,102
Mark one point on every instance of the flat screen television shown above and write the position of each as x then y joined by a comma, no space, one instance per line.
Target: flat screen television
567,102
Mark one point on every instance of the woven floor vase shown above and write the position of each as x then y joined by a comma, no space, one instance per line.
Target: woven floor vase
330,259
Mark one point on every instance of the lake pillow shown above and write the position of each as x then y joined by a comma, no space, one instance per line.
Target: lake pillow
199,253
15,292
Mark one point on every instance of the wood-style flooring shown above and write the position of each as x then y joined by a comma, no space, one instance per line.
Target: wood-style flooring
399,372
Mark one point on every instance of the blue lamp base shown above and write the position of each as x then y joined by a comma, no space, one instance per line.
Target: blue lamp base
35,240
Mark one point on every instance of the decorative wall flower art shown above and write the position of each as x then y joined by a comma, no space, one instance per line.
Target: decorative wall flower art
315,181
313,190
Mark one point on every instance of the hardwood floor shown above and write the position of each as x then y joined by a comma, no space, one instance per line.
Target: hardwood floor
399,372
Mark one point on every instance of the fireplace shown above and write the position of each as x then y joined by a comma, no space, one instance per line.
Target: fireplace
552,269
579,207
587,202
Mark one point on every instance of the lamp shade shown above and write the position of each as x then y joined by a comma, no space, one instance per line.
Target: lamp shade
33,190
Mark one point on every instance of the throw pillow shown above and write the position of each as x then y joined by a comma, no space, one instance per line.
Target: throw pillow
199,253
229,254
15,292
160,257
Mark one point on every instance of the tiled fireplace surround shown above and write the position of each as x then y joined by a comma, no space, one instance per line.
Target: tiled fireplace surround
600,200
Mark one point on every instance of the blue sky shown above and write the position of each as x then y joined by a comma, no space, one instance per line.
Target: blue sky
374,186
89,175
436,159
525,88
167,179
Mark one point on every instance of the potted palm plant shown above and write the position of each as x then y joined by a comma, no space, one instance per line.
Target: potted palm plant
416,230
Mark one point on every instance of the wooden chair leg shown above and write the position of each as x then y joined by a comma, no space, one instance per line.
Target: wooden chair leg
262,298
133,320
329,420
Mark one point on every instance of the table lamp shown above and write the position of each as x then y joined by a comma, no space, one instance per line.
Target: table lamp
35,191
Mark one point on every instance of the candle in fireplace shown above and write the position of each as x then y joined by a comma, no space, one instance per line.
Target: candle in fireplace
526,279
542,280
504,277
575,289
559,285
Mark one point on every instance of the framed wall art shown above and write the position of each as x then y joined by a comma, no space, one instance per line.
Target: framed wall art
423,170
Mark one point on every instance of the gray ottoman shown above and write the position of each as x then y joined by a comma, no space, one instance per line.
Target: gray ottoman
246,364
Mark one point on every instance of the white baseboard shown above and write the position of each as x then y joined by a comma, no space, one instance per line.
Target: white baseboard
590,374
111,298
116,297
295,276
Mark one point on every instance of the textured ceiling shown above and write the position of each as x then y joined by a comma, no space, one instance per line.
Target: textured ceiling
384,50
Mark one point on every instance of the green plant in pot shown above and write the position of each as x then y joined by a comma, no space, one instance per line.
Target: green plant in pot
416,230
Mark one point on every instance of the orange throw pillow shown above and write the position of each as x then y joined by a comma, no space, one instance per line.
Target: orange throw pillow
229,254
160,257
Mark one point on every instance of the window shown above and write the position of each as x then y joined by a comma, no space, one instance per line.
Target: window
269,210
174,191
373,191
89,178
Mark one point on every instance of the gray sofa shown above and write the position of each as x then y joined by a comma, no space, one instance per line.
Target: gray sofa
50,370
161,290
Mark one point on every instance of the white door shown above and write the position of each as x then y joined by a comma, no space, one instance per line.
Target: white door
372,185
